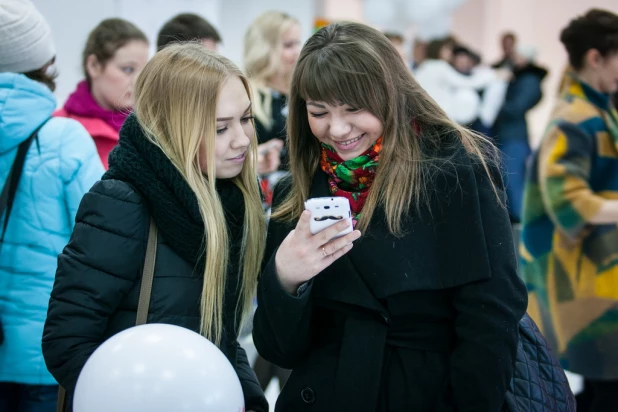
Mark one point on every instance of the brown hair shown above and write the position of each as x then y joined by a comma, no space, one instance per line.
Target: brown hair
105,40
186,27
350,63
435,46
597,29
509,35
42,76
394,37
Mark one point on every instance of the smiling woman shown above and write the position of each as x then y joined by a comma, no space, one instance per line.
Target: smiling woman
115,53
421,312
350,130
185,163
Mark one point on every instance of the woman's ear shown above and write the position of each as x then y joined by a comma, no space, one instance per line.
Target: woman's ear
593,58
93,66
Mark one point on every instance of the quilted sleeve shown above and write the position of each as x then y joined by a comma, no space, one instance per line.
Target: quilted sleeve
96,269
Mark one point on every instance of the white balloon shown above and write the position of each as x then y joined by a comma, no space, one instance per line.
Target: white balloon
380,12
158,368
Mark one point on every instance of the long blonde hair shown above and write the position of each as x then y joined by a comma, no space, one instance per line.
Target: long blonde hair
354,64
262,59
176,98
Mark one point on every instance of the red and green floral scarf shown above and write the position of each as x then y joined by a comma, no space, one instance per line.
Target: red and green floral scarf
351,178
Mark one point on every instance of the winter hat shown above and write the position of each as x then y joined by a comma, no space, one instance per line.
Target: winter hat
26,43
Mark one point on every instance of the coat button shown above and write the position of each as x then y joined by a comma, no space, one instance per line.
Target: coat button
307,395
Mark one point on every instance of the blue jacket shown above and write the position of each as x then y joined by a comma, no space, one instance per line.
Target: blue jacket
57,172
523,93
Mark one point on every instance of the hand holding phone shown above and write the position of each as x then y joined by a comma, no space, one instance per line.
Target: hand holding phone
322,235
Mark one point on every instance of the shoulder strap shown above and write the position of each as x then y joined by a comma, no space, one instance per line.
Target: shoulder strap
144,298
10,187
147,276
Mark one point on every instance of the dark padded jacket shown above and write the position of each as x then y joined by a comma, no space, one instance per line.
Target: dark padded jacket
97,287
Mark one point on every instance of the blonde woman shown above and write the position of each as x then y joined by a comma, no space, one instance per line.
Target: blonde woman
272,45
186,158
422,313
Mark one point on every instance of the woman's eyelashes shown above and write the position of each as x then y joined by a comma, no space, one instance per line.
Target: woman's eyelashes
317,114
243,120
321,114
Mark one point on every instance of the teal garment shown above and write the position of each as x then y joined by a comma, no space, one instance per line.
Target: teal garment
57,172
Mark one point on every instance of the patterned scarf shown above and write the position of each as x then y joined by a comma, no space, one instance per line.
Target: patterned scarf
351,178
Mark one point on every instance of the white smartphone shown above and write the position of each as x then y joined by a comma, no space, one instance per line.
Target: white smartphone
327,211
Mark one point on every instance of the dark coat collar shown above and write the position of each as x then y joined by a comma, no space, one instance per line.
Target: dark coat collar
443,247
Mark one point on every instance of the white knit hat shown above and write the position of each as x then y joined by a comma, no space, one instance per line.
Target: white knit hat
26,42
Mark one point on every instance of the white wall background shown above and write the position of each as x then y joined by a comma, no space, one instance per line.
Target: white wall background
72,20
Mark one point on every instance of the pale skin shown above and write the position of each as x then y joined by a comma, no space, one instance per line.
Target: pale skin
112,82
234,130
302,255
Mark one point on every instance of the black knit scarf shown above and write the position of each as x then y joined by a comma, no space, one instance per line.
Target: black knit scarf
169,198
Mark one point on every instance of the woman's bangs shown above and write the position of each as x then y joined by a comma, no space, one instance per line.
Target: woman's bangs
328,81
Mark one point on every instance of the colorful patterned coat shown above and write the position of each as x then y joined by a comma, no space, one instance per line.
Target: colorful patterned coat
571,266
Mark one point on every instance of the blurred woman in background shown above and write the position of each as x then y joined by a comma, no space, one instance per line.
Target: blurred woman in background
272,45
116,52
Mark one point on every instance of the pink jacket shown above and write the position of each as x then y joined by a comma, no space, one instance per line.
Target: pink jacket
104,136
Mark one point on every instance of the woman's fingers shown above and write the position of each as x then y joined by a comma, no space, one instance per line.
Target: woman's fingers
330,232
334,246
340,252
302,227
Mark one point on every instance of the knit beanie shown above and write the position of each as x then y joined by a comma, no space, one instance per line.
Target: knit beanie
26,43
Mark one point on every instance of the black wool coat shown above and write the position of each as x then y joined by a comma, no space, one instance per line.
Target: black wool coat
423,322
97,288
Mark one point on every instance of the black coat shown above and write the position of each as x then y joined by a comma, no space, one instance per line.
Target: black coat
98,281
423,322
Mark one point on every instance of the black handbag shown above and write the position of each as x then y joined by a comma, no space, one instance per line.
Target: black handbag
10,187
539,383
